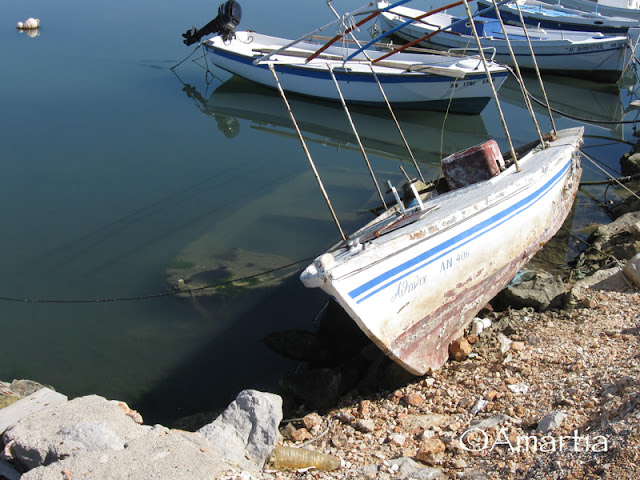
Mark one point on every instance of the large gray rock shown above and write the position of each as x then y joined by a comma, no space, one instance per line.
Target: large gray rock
161,453
538,289
620,239
79,426
630,163
247,431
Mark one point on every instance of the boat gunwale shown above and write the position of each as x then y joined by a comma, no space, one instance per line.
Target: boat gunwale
342,256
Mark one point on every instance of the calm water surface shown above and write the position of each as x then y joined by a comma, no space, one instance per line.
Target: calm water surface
118,175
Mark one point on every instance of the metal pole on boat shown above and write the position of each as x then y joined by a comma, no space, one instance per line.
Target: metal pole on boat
359,11
306,151
355,132
527,100
353,27
493,88
384,96
535,64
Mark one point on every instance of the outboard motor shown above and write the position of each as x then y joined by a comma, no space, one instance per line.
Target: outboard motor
229,15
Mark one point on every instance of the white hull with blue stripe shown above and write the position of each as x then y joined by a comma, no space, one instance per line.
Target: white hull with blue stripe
546,15
437,82
614,8
413,290
591,55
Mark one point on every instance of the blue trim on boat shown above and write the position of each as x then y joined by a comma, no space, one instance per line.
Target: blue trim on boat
459,240
351,76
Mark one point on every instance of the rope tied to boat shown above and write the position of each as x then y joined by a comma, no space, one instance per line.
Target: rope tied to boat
347,24
612,179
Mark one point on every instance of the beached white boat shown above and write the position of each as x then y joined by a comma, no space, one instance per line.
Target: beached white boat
409,80
546,15
413,281
591,55
614,8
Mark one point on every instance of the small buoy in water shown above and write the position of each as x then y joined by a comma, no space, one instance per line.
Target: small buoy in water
28,24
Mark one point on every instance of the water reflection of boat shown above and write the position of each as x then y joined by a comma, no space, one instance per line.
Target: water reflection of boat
429,134
582,100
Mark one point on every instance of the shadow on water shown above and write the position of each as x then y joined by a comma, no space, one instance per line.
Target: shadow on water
314,361
212,376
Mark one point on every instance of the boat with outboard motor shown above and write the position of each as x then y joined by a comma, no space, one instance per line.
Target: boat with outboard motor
434,81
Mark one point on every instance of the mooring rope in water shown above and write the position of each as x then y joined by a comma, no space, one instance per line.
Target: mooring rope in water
187,57
611,177
580,119
158,295
355,133
306,151
382,92
537,69
493,88
518,75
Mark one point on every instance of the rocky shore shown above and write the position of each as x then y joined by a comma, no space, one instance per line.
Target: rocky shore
544,385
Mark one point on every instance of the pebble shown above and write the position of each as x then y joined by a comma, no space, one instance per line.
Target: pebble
598,389
431,451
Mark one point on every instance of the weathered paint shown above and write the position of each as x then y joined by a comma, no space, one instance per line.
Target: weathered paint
415,289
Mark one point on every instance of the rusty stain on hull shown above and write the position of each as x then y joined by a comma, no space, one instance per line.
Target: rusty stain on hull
416,350
447,267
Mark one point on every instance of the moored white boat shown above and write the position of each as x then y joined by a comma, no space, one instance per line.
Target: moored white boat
547,15
432,81
593,55
614,8
413,282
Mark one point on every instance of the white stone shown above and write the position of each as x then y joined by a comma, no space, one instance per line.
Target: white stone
632,270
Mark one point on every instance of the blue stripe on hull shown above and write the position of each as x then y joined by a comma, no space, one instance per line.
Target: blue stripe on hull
341,74
581,27
409,267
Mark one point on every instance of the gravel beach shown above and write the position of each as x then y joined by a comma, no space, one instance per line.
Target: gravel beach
541,395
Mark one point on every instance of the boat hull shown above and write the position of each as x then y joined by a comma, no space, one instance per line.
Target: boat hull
590,6
414,290
579,54
538,13
406,90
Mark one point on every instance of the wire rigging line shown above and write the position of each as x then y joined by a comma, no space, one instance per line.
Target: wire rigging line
157,295
613,180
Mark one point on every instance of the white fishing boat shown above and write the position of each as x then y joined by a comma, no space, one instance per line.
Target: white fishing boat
547,15
432,81
614,8
413,280
593,55
409,80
